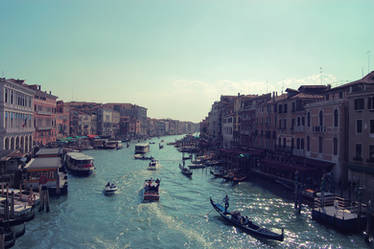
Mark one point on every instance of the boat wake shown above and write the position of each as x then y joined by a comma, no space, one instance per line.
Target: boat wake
174,224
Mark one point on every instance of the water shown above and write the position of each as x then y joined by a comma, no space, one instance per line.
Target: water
88,219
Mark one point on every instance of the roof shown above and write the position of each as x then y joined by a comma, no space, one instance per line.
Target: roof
44,163
368,79
307,96
48,151
79,156
143,144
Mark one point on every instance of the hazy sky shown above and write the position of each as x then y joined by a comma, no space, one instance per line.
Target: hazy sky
177,57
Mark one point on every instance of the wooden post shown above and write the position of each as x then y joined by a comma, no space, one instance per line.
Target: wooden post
12,205
47,199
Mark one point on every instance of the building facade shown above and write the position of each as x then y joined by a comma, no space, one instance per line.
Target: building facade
16,115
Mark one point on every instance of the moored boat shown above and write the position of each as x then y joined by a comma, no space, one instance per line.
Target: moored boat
185,171
196,166
243,222
79,163
237,179
151,190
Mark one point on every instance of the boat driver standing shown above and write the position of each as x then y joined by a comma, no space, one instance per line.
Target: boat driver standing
226,201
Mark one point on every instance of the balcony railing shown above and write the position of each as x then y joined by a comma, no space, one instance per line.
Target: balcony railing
319,129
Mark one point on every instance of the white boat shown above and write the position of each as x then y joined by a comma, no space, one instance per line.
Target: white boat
79,163
153,165
110,188
21,209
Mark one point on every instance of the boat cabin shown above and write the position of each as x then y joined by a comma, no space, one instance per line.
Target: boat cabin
141,148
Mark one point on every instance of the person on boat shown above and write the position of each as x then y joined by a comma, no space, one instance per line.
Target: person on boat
157,181
107,185
226,201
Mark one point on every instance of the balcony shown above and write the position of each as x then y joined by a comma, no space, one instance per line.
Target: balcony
319,129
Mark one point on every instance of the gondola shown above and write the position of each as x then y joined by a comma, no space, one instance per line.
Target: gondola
245,224
185,171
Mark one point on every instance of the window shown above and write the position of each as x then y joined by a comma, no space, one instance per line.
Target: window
335,145
340,95
280,108
327,97
359,126
308,119
280,123
298,143
371,152
284,142
285,108
292,143
285,123
279,141
298,121
336,118
371,103
6,95
308,143
320,144
11,97
303,121
371,126
358,151
302,143
293,124
359,104
320,118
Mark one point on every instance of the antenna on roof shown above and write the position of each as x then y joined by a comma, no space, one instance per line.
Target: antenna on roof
368,53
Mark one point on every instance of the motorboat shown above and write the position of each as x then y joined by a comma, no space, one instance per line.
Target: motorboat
153,164
110,188
151,190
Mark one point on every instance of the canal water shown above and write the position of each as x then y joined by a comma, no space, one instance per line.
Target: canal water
88,219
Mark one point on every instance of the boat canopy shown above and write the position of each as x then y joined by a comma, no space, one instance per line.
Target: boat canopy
79,156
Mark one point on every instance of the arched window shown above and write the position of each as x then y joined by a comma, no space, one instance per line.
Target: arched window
12,143
320,118
336,118
308,119
6,144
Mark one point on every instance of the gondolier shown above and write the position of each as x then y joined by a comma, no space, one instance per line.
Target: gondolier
226,201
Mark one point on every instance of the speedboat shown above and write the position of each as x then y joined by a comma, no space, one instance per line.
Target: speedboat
153,164
110,188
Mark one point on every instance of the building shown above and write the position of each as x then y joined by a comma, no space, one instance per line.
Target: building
16,115
360,96
62,119
44,116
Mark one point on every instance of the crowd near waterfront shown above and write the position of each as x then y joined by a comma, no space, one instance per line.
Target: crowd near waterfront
183,216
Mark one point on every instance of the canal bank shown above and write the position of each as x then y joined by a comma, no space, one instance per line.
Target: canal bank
86,218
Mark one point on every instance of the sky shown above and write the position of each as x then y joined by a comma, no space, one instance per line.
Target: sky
177,57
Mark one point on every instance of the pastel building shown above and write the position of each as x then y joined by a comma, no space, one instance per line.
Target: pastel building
16,115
